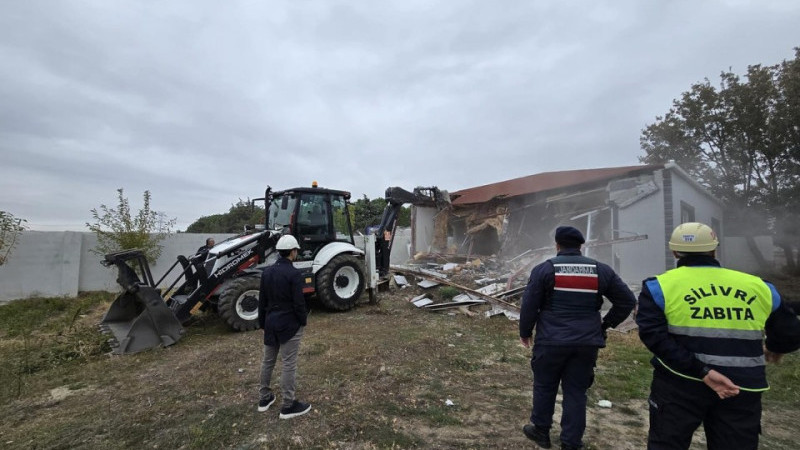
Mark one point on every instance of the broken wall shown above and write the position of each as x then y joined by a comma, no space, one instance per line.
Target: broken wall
423,229
532,220
626,221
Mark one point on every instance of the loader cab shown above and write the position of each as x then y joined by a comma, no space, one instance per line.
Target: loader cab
315,216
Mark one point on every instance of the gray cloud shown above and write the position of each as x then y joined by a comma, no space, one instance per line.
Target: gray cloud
204,103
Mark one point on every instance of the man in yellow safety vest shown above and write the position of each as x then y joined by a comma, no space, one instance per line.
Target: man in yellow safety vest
705,326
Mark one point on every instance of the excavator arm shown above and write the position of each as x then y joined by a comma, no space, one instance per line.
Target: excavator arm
396,197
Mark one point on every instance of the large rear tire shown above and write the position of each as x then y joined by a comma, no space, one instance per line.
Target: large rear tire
238,303
341,282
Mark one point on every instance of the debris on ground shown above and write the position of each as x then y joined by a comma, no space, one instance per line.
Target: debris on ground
492,284
488,282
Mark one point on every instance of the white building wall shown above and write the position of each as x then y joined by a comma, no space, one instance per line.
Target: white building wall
706,210
422,218
642,258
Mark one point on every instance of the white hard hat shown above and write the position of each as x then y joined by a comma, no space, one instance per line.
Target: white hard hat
287,242
693,237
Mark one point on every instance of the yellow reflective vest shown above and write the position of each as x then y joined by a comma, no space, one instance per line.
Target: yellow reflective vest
719,315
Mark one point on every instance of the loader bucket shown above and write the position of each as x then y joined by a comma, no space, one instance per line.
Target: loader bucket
140,320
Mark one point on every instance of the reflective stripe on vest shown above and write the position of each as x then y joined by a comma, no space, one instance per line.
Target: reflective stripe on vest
709,303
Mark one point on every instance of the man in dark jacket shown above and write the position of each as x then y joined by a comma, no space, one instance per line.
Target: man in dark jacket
205,248
563,300
282,313
705,326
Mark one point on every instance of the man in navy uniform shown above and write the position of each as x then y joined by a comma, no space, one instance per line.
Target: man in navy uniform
282,313
563,300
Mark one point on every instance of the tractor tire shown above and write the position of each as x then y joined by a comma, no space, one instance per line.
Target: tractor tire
341,282
238,303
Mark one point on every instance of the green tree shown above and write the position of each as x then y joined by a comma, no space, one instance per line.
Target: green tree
742,141
10,229
117,229
368,212
238,216
404,217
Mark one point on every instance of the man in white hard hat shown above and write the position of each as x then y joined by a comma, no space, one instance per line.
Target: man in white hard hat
705,326
282,313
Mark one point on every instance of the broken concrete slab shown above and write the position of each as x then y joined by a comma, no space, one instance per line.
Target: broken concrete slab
458,304
432,273
425,284
511,315
400,280
420,301
485,280
466,297
491,289
449,267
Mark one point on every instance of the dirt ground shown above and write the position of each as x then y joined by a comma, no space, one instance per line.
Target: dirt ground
388,375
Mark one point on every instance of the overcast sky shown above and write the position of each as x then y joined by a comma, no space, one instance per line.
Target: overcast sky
204,103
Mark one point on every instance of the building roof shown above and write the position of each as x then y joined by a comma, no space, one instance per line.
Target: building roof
546,181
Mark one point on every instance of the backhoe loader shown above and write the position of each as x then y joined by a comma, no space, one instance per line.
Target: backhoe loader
226,279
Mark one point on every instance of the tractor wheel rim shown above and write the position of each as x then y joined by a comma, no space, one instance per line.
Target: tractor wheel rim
345,282
247,305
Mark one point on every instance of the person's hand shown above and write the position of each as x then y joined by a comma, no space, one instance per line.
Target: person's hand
526,342
772,357
721,384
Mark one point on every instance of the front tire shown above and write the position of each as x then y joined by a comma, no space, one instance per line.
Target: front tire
341,282
238,303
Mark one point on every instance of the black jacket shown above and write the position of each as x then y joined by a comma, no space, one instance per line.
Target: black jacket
552,329
782,329
281,304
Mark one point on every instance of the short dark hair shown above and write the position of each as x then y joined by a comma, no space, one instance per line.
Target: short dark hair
208,240
285,253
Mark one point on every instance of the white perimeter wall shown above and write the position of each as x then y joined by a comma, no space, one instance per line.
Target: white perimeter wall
58,264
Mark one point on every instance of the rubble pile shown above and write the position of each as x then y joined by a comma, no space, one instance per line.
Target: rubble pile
491,283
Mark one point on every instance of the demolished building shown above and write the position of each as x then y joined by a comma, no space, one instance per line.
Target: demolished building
626,213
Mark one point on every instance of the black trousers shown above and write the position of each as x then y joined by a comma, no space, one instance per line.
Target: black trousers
573,368
678,406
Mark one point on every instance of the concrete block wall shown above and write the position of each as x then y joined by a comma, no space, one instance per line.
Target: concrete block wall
61,264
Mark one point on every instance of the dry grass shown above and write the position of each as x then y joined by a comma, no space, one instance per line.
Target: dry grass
377,376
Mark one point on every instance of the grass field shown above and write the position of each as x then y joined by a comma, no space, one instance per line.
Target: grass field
378,376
